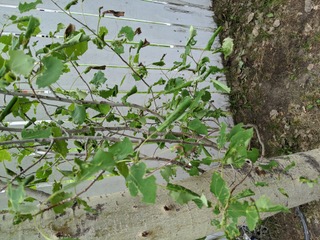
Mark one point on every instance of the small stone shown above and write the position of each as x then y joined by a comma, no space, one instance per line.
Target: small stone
308,6
276,23
274,114
308,28
255,31
310,67
250,17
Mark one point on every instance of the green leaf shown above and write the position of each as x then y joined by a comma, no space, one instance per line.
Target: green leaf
35,133
33,27
245,193
121,150
222,138
20,63
5,155
159,64
44,172
25,7
283,192
72,3
109,93
288,167
131,92
118,47
261,184
104,108
76,50
79,114
183,195
127,32
213,38
227,47
168,172
137,182
16,196
52,70
78,38
236,210
197,126
58,196
8,109
269,166
253,155
264,205
123,169
60,146
102,161
239,141
220,86
177,113
252,216
98,79
219,188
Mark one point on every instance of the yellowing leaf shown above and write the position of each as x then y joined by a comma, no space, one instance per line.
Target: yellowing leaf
5,155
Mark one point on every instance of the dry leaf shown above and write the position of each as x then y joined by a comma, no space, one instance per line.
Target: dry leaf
114,13
137,31
70,29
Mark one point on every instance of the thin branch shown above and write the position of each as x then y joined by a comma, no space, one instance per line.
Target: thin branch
37,194
31,166
242,180
71,198
112,139
107,44
67,100
259,138
171,161
84,81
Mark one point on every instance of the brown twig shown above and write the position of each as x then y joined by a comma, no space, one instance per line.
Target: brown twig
71,198
67,100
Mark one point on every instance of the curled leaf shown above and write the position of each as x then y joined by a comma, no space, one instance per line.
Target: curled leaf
114,13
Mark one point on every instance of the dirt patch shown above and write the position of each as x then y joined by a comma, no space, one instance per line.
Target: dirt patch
274,73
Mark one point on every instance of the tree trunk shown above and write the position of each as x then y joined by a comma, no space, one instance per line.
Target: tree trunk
122,217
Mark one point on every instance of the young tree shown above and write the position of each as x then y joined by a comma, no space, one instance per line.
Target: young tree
102,132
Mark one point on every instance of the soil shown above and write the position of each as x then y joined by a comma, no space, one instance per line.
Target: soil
274,74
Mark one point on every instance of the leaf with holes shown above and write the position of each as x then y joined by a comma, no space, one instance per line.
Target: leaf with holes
98,79
127,32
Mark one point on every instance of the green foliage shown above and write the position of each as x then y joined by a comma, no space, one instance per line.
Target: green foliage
108,129
137,182
20,63
51,71
25,7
